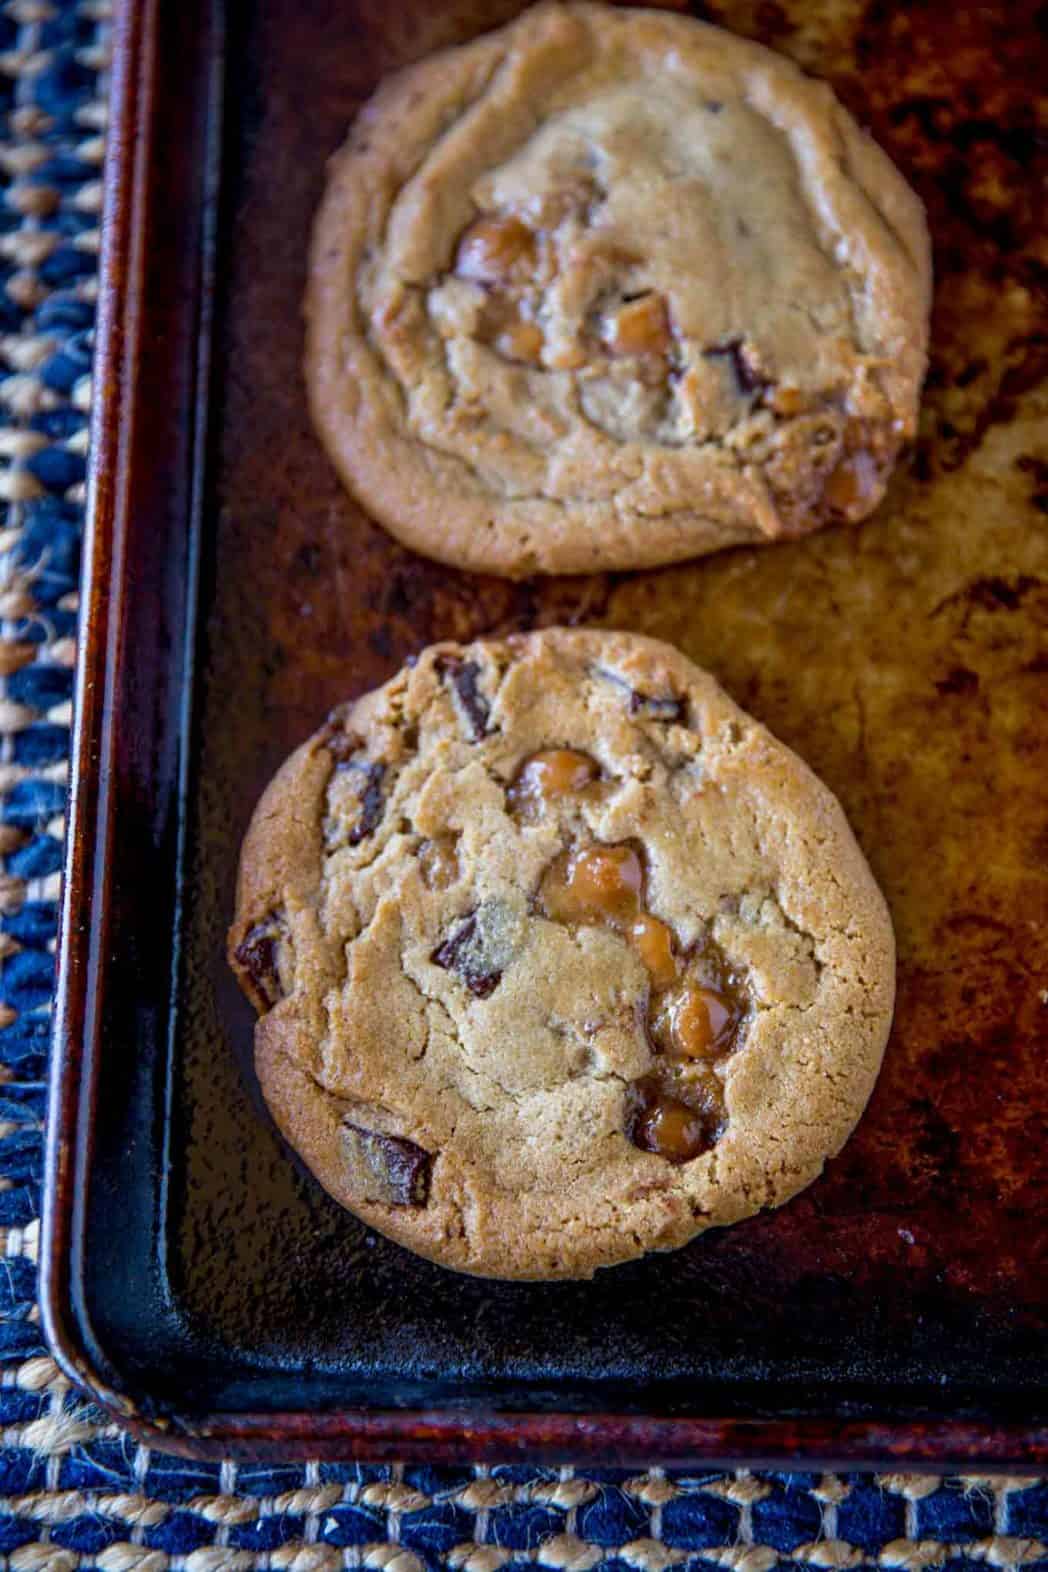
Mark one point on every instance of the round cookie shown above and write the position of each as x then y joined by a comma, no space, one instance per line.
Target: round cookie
559,956
611,288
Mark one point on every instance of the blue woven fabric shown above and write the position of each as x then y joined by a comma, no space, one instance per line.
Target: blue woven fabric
75,1492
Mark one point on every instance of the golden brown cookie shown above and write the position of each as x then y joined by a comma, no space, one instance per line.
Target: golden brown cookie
559,956
610,288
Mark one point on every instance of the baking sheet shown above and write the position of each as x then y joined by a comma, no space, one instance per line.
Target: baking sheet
906,660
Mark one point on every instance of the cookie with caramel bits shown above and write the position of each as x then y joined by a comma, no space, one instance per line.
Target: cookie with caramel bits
559,956
611,288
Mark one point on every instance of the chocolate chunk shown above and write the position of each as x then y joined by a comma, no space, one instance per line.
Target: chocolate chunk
256,954
460,954
371,801
659,706
385,1168
482,946
747,378
354,794
463,676
667,707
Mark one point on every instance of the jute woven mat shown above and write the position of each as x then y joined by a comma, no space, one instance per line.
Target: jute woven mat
74,1491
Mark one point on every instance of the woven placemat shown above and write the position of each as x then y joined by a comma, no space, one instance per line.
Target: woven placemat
75,1492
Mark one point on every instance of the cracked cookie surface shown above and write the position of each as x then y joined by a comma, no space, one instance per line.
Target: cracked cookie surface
559,956
611,288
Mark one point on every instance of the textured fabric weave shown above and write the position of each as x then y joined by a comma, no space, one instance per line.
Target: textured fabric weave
75,1492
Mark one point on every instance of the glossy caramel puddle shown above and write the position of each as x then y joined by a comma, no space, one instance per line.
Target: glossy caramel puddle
694,1008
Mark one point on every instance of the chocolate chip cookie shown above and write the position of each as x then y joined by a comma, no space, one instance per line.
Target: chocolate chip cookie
559,957
611,288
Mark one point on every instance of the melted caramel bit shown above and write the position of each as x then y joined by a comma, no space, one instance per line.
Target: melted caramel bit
693,1008
694,1022
852,483
670,1128
787,401
493,249
653,942
641,327
569,357
553,773
521,340
438,861
600,884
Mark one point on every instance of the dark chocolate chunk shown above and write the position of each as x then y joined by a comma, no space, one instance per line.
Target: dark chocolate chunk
344,747
667,707
482,946
385,1168
747,378
460,954
256,954
463,676
371,801
354,794
659,706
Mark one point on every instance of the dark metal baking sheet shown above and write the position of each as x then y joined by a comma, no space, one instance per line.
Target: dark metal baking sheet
193,1275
